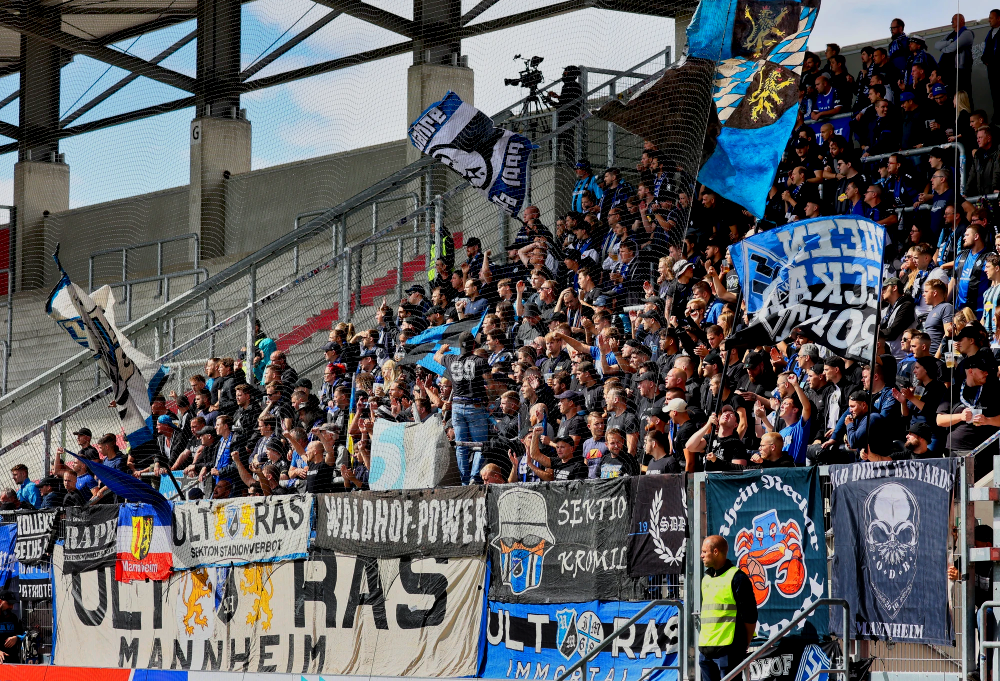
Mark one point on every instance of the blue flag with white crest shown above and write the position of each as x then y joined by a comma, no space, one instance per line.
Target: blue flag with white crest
493,160
135,378
823,275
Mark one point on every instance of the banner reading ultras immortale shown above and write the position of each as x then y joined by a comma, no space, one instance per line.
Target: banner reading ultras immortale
240,531
330,614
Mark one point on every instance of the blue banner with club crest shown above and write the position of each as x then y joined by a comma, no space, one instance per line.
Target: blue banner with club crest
542,641
774,526
759,46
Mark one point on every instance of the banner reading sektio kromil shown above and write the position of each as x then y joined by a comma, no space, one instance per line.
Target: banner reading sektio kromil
890,522
774,526
561,543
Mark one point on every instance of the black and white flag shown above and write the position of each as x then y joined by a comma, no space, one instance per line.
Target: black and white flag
493,160
823,274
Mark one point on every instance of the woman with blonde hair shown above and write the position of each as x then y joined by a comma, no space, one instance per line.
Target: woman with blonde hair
962,130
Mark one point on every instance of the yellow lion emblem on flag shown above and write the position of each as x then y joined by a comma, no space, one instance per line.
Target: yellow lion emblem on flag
234,519
257,582
142,536
766,96
194,612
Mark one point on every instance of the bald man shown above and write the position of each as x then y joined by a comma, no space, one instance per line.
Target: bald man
728,611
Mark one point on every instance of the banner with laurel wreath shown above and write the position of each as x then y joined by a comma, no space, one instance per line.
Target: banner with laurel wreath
773,521
657,540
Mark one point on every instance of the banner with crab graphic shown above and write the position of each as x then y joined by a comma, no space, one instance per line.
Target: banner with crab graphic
774,526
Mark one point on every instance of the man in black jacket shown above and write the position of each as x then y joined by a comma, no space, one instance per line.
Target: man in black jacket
898,316
245,419
11,630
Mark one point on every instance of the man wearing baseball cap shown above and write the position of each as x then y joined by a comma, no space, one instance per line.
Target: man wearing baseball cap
11,630
585,181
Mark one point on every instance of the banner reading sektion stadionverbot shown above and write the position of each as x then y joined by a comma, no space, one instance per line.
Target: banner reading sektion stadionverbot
561,542
774,525
241,531
445,522
890,523
329,614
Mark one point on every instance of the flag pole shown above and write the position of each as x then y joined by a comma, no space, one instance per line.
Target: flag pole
878,323
725,367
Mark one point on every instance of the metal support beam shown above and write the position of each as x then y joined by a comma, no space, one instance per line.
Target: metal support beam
277,52
439,32
36,29
117,87
328,66
546,12
373,15
217,89
40,78
473,13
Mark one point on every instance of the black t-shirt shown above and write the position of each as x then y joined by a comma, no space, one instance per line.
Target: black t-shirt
649,407
679,293
616,466
574,469
667,464
727,449
965,436
680,435
319,479
627,422
467,377
574,425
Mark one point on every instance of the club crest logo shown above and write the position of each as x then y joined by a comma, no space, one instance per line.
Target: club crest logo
769,543
234,520
524,538
142,536
577,634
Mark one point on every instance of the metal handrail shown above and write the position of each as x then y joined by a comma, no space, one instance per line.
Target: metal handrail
757,654
610,638
984,645
283,244
927,150
125,250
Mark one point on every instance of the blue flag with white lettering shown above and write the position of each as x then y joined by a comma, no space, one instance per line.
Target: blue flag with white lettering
823,275
493,160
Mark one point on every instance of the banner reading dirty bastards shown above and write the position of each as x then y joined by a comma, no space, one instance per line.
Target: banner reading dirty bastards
561,543
774,526
890,522
241,531
329,614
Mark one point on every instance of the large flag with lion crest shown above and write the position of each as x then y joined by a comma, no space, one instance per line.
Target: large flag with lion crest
773,521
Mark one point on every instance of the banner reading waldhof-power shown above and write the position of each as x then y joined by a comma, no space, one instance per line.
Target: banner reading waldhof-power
774,525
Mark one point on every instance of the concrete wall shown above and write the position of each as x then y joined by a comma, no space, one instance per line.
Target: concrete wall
261,206
980,85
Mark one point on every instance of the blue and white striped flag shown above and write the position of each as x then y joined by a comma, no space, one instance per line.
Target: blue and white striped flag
91,323
493,160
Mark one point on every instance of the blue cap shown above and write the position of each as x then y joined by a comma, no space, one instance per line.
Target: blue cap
938,89
602,301
583,164
905,97
166,421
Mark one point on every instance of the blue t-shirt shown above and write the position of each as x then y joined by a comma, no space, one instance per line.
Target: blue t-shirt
85,482
830,100
796,437
27,492
962,297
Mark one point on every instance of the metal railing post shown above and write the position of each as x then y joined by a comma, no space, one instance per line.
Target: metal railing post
345,286
47,445
399,268
125,264
251,325
11,287
438,223
295,251
90,274
612,92
580,133
504,229
159,267
357,280
62,422
374,229
128,302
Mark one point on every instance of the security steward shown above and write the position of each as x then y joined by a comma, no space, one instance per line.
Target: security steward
728,612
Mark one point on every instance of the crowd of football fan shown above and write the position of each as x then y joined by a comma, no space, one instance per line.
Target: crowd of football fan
600,341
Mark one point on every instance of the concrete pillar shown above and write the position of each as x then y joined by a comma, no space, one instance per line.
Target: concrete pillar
220,137
219,148
41,180
680,35
427,83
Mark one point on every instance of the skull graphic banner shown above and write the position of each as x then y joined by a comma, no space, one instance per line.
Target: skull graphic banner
890,525
774,525
561,542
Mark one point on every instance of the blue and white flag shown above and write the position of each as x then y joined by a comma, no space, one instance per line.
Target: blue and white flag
420,349
8,562
823,274
759,46
493,160
90,321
